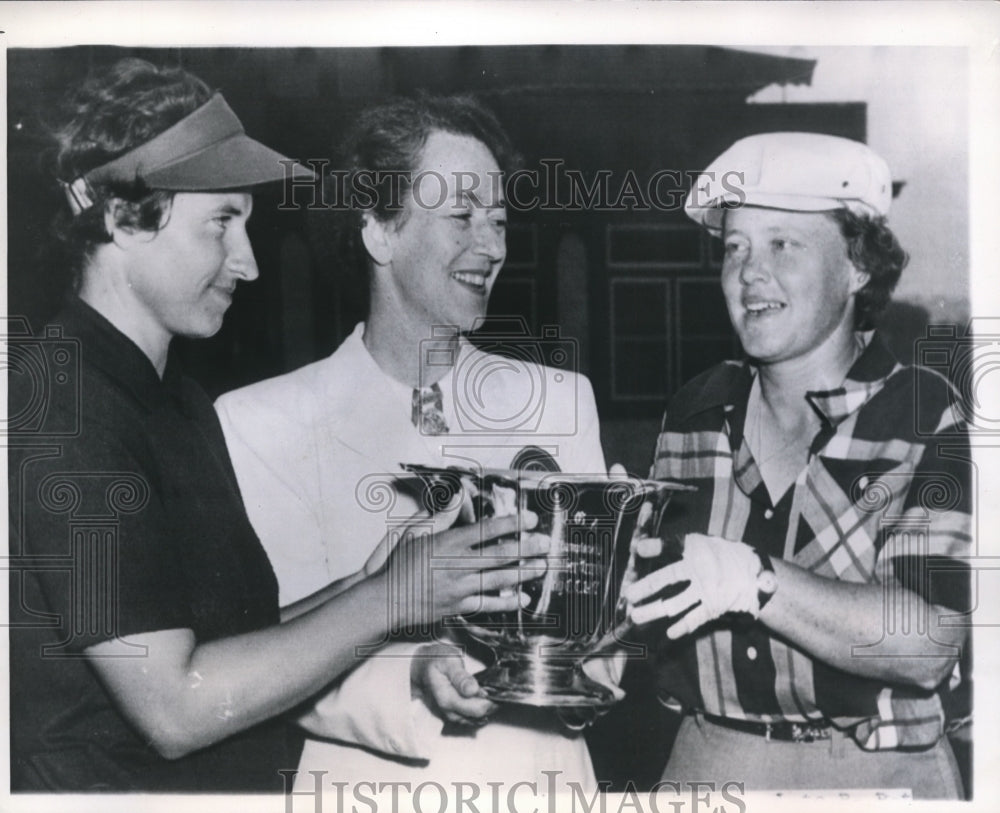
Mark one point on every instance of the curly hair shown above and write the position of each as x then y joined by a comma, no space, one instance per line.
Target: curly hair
385,144
874,250
107,115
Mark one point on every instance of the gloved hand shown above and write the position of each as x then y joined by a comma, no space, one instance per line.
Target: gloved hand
722,578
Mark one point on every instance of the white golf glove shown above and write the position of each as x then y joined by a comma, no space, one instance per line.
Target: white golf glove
722,578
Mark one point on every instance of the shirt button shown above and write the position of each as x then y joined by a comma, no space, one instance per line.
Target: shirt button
752,653
768,513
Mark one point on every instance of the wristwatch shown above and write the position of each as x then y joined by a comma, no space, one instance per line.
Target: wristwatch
767,582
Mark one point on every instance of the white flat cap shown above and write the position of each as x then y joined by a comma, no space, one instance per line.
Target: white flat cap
802,172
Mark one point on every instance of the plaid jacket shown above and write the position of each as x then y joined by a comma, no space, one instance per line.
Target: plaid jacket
886,495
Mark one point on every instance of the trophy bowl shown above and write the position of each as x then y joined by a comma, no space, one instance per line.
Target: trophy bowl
573,610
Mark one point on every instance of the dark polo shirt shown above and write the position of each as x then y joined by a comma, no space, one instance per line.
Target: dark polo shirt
125,517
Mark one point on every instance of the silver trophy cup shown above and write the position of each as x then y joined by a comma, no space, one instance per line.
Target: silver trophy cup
573,609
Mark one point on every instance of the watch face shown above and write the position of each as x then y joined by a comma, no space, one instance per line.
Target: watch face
767,582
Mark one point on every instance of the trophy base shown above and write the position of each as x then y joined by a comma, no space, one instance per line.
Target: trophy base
531,681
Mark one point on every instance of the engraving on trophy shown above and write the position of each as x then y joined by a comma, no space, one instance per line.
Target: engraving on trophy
573,608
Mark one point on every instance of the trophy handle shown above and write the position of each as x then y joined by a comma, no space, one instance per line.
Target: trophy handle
612,638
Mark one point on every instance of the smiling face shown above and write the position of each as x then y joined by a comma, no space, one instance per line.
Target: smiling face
788,282
182,277
436,263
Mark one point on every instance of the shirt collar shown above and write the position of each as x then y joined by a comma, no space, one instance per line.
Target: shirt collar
729,386
724,387
865,378
369,368
105,347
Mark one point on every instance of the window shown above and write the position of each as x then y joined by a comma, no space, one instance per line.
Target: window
667,317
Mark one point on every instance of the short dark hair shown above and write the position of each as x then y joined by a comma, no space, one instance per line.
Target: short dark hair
387,140
107,115
874,250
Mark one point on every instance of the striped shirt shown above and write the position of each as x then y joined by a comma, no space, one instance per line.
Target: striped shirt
885,498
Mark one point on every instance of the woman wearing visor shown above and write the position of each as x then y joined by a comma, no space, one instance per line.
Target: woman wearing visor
148,650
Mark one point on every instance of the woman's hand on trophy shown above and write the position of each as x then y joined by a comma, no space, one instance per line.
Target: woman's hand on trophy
714,576
432,573
423,520
438,677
